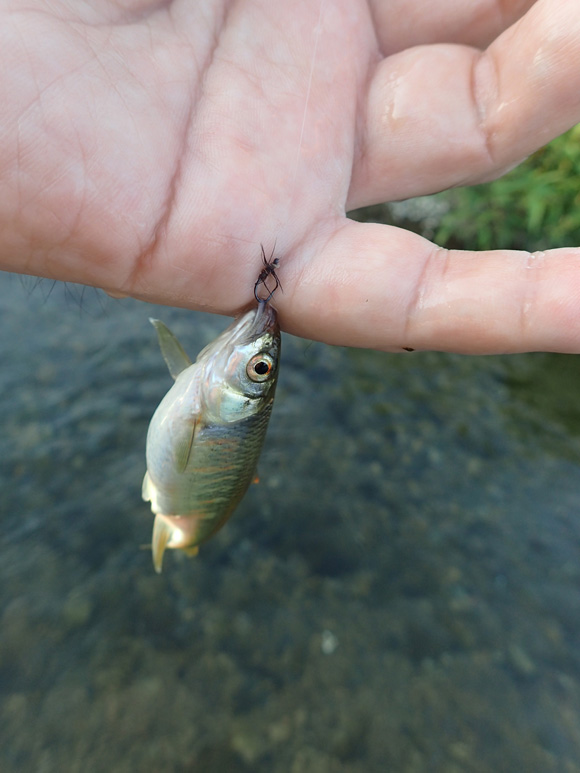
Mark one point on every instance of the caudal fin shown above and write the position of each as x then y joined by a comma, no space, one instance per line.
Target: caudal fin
162,532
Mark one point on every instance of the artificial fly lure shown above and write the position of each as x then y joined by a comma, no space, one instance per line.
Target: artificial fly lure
268,270
205,437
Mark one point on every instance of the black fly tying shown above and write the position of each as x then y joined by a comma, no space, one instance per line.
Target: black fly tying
269,270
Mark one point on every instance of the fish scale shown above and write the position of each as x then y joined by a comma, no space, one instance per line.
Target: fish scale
220,468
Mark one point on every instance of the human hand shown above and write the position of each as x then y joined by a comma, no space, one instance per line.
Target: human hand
150,147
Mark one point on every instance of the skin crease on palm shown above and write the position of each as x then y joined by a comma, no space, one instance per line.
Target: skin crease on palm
149,147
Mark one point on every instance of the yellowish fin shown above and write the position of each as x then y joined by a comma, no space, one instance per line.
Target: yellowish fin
162,532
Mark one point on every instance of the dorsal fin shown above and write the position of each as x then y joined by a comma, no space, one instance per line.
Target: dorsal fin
172,351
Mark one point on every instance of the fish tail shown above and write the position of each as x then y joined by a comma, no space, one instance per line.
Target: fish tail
162,532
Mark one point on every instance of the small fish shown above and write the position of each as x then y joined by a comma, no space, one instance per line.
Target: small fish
205,437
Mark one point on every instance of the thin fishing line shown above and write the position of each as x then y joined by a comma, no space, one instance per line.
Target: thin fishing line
308,92
292,189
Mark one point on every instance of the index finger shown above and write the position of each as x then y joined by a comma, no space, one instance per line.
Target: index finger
382,287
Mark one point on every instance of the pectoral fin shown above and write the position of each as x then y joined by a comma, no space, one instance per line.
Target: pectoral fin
182,448
172,351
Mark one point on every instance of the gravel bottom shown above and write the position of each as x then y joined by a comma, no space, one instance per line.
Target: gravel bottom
400,592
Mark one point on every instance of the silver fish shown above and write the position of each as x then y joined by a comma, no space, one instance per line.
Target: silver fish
205,437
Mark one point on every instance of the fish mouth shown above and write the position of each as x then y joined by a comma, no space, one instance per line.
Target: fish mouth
256,323
265,319
253,324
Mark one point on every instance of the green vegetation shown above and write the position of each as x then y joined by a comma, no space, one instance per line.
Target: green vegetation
536,206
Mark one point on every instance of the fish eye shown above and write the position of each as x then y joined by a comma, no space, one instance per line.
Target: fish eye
260,367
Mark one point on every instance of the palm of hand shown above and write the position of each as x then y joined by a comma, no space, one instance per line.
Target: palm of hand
160,144
174,141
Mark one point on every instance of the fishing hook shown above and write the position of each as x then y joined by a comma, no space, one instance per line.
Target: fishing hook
269,270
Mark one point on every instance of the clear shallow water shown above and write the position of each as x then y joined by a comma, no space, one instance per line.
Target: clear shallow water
401,592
